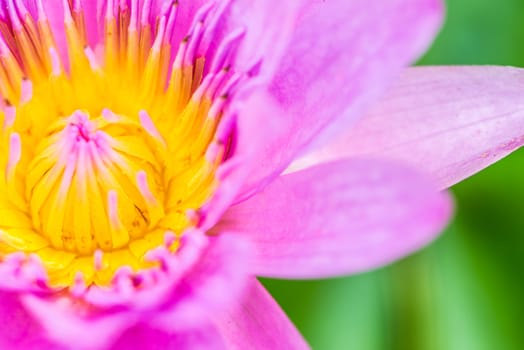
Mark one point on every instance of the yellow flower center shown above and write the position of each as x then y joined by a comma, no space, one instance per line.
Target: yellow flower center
104,155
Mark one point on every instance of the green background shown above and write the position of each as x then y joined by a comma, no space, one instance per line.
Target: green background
466,290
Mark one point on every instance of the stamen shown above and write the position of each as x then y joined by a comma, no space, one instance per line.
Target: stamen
226,50
151,76
155,209
15,153
172,16
98,259
78,18
145,33
27,92
133,43
91,57
9,116
119,233
106,155
56,69
111,43
149,126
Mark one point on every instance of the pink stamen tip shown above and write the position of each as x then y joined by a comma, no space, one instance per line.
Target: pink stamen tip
204,86
112,201
108,115
15,151
146,10
26,91
169,239
55,62
4,49
179,58
193,216
10,116
216,83
110,10
226,49
149,126
98,259
133,22
42,16
123,5
143,187
33,269
216,108
194,41
68,18
171,21
91,57
212,152
21,8
80,117
166,6
13,15
79,287
77,6
160,35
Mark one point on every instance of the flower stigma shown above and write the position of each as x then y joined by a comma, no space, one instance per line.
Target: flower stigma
105,149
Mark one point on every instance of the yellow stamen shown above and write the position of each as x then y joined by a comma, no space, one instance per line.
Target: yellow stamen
102,158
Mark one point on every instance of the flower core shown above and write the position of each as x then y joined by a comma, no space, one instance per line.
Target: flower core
106,149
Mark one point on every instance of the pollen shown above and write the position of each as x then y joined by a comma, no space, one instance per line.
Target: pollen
105,149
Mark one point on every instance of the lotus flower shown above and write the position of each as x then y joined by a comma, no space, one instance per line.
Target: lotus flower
146,146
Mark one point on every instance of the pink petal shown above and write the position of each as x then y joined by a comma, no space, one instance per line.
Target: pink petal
143,337
19,330
341,57
177,299
258,323
339,218
448,121
267,33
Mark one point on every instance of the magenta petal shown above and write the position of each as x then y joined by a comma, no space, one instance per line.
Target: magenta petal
341,57
19,330
143,337
448,121
339,218
265,33
206,276
258,323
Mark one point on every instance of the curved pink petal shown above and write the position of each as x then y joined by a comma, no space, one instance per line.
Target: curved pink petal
339,218
448,121
341,57
258,323
19,330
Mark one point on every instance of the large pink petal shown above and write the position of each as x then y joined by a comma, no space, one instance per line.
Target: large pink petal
448,121
258,323
339,218
341,57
